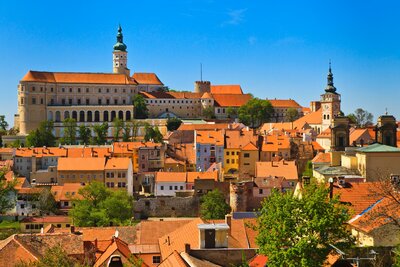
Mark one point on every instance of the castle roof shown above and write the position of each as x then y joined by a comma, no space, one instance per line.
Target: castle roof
147,78
226,89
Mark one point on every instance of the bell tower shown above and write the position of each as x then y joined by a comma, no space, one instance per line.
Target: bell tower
330,102
386,130
120,55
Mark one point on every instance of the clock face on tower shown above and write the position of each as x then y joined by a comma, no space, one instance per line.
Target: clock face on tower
326,107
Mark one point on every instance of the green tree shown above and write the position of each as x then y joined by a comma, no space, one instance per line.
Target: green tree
152,133
173,123
126,131
213,205
298,231
7,201
46,202
133,261
136,124
231,112
100,133
3,128
140,107
361,117
255,112
69,131
84,134
291,114
42,136
209,113
101,206
118,125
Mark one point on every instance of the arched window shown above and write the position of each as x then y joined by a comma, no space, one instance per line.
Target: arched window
324,117
96,116
128,116
105,115
66,115
58,116
327,116
113,115
120,115
75,115
50,116
89,116
82,116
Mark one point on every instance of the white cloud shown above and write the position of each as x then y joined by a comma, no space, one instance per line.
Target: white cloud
235,16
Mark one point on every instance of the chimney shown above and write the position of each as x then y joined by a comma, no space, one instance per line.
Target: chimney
72,229
187,248
95,244
228,221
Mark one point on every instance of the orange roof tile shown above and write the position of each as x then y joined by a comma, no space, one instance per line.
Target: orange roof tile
210,137
146,78
77,77
117,164
205,126
310,118
79,164
173,260
150,231
192,176
275,143
183,152
67,191
359,195
258,261
316,146
231,100
206,95
327,133
287,169
117,245
166,177
237,139
41,152
249,147
47,219
88,152
226,89
322,158
284,103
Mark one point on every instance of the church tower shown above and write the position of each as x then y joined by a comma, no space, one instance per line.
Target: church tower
330,102
120,55
386,130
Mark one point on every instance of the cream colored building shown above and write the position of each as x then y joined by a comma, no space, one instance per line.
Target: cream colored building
89,98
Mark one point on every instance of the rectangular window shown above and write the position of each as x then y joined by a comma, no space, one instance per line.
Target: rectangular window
227,161
176,187
246,155
70,101
115,101
156,259
41,101
162,187
181,187
33,101
108,101
170,187
260,191
87,101
63,101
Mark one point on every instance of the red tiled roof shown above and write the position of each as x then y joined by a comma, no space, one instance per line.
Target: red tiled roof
322,158
287,169
249,147
117,164
284,103
47,219
78,164
231,100
226,89
146,78
258,261
173,260
67,191
150,231
316,146
210,137
77,77
327,133
310,118
170,177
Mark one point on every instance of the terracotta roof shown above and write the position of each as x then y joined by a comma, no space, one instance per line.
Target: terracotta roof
130,147
206,95
166,177
205,126
210,137
88,152
249,147
322,158
171,95
377,215
231,100
192,176
226,89
327,133
67,191
116,245
238,139
306,110
183,152
310,118
77,77
173,260
47,219
316,146
268,126
284,103
275,143
283,168
146,78
117,164
41,152
358,195
150,231
12,252
78,164
358,134
258,261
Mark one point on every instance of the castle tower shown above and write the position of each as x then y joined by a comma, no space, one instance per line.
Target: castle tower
330,102
120,55
202,87
385,130
340,136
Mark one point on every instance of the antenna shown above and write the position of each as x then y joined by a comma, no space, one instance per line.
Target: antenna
201,71
386,112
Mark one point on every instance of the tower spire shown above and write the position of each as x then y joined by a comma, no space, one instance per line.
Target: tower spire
330,88
120,46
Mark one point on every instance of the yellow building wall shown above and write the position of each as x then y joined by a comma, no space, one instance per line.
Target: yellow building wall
349,162
374,166
247,165
231,159
78,176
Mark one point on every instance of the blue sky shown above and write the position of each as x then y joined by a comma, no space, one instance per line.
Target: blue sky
272,49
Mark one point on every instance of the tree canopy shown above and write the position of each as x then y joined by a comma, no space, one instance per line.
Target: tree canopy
152,133
100,133
255,112
70,127
291,114
213,205
173,123
209,113
140,107
361,117
101,206
6,189
42,136
46,202
298,231
118,125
